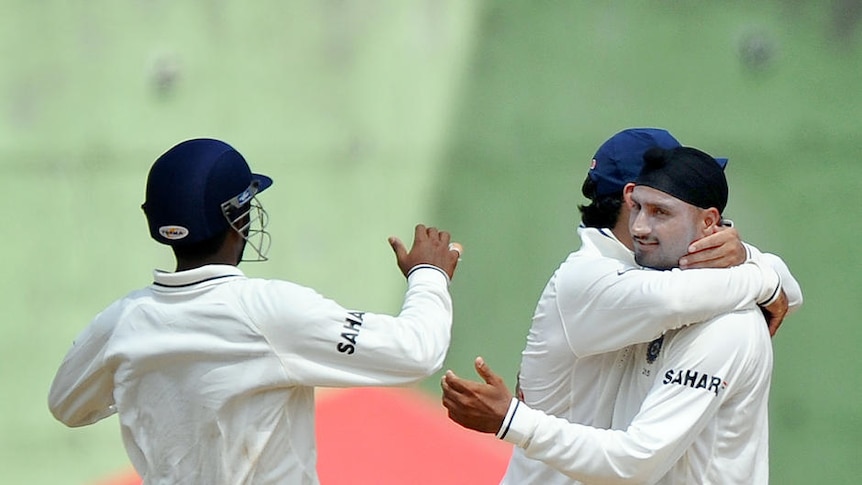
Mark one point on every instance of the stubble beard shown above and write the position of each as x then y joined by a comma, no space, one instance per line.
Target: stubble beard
655,259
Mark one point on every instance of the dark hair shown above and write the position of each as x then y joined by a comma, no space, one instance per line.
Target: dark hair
202,249
604,210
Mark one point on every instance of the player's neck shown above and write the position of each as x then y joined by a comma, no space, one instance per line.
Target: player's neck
189,264
230,253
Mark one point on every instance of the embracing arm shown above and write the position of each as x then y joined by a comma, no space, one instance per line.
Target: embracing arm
639,305
788,282
724,248
609,310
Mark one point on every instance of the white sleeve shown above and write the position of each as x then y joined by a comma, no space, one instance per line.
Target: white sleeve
82,391
604,310
788,283
322,343
670,419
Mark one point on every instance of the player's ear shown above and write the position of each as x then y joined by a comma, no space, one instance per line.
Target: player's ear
627,194
710,219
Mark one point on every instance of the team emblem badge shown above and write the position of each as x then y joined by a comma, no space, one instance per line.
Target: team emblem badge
654,349
173,232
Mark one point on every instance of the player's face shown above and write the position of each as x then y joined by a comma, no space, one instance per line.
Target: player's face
662,227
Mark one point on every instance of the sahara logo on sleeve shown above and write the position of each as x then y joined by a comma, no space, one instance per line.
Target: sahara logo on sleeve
352,326
694,380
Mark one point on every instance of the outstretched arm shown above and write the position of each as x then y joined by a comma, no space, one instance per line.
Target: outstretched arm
323,343
672,415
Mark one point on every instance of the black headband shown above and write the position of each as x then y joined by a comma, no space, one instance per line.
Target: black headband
687,174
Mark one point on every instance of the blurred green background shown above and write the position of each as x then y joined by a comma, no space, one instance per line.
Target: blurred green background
477,116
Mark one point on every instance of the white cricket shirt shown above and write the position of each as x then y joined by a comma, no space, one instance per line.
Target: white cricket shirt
213,373
580,349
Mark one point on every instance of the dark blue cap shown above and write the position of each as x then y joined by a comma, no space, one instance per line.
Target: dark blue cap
187,186
620,159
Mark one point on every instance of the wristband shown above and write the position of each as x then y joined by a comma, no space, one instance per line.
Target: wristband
429,266
507,421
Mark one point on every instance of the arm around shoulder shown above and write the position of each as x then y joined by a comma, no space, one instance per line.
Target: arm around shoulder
788,283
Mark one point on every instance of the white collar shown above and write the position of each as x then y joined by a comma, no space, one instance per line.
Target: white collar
605,243
196,275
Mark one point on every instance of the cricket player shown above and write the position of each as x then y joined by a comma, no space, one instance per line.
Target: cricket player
212,373
597,304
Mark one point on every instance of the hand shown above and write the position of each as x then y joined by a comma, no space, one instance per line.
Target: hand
430,246
775,313
474,405
721,249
